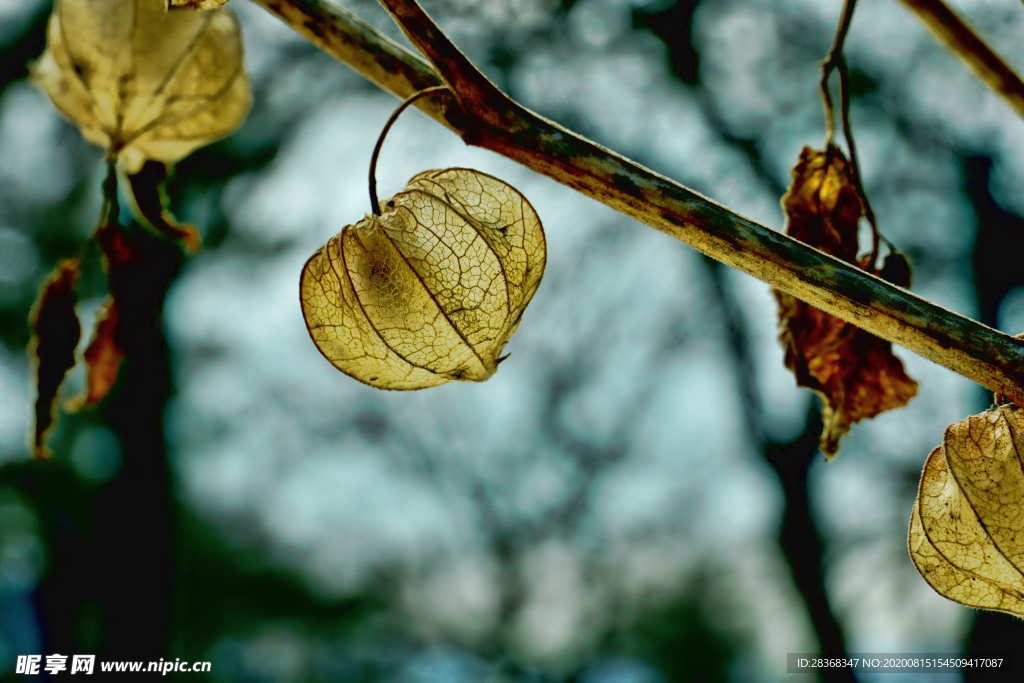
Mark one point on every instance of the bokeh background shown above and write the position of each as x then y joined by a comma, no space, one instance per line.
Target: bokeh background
635,497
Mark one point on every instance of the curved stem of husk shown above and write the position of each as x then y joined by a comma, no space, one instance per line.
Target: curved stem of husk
374,203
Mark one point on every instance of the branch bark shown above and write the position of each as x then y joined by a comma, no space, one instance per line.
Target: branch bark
374,56
960,38
485,117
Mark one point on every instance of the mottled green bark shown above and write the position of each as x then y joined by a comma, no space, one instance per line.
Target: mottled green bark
490,120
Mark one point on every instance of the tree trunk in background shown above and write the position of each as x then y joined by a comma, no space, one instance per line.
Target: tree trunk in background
799,539
801,542
109,589
996,262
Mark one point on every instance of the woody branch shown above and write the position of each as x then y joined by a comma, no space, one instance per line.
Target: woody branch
960,39
484,116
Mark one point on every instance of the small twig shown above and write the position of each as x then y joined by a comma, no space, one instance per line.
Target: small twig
851,147
836,61
960,38
986,356
374,203
110,210
832,60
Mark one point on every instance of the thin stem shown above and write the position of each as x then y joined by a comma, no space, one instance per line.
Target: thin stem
851,146
374,203
986,356
111,209
836,61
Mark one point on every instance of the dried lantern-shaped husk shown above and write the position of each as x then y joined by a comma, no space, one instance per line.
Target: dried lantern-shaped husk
142,82
967,527
430,290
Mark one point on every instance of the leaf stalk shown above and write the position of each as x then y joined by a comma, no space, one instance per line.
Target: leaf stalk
374,202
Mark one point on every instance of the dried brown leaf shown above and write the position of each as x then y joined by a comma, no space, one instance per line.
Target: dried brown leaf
822,205
854,372
142,82
431,290
966,533
103,358
55,334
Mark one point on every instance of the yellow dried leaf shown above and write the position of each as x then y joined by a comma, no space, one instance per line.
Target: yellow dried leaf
854,372
431,290
142,82
967,528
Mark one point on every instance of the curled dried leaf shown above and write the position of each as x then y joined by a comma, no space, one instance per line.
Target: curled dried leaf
430,290
149,200
896,269
822,204
141,82
103,358
966,533
854,372
55,334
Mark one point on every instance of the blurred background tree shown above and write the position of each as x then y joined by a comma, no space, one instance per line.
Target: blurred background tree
636,495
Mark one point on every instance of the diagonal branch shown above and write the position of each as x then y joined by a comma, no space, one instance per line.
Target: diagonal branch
374,56
986,356
475,92
960,38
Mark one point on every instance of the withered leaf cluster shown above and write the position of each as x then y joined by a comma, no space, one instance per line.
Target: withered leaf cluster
142,82
56,331
967,527
854,372
430,290
148,85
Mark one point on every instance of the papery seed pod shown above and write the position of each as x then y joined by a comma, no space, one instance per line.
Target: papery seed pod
430,290
966,534
142,82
